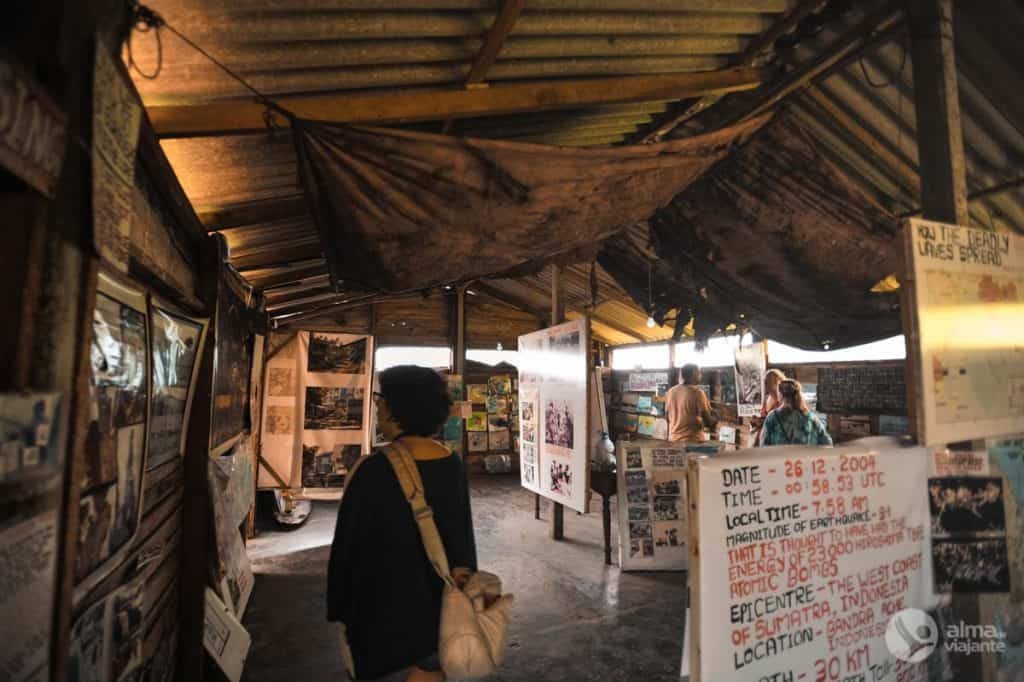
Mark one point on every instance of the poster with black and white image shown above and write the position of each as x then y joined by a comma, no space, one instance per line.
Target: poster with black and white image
966,565
653,477
336,353
328,407
177,342
553,377
750,367
115,446
232,365
528,446
32,427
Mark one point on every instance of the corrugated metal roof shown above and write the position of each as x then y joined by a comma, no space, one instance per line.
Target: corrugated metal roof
989,55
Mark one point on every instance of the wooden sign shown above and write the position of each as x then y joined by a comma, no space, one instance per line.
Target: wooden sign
862,389
32,129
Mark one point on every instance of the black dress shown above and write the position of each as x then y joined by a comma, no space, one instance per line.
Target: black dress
379,581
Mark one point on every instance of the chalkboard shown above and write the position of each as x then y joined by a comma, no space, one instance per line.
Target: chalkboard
878,389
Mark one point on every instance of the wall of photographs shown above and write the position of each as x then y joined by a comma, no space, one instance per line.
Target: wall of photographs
553,377
493,424
143,360
316,408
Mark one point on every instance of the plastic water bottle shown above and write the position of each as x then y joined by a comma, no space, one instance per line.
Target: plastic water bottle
604,454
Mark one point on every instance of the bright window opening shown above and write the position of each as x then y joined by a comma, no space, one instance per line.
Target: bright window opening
493,357
654,356
720,351
893,348
434,357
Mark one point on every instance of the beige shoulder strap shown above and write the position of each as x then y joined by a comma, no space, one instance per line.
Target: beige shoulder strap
412,485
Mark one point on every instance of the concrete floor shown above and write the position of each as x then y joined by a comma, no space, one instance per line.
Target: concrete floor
574,618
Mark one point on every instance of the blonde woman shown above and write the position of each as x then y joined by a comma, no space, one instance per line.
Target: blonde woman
772,379
793,423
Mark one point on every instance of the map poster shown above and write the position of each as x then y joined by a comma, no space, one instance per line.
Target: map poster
553,369
968,287
801,557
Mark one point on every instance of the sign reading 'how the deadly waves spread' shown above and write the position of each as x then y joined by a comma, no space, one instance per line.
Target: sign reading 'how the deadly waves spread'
801,556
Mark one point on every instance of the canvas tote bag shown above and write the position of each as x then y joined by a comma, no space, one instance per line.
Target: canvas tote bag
471,641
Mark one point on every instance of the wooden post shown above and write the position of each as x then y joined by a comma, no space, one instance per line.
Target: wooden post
460,331
557,317
943,184
939,130
196,527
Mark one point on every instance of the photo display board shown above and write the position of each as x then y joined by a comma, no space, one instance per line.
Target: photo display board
800,557
316,409
968,286
652,505
553,380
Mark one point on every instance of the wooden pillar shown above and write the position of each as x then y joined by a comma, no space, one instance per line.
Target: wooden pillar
939,130
459,350
943,186
557,317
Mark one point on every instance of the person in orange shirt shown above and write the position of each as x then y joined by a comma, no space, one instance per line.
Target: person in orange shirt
688,409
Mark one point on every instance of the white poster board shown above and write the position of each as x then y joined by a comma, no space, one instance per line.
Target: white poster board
751,365
800,557
652,505
969,323
317,409
553,371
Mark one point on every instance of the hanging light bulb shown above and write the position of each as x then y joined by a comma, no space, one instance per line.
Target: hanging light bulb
650,322
500,347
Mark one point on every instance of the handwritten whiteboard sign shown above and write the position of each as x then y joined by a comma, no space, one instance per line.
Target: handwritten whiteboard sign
32,129
800,556
969,323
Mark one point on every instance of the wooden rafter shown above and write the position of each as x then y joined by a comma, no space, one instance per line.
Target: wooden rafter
405,106
252,212
493,42
684,111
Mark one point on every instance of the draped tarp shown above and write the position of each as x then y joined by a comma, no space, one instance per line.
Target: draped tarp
774,237
400,210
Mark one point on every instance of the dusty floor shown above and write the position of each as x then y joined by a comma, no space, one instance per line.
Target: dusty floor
574,617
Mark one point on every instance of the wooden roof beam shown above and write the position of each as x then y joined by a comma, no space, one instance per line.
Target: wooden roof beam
253,212
237,116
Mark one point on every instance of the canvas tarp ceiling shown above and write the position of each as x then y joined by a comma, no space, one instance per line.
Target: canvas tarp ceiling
774,237
400,210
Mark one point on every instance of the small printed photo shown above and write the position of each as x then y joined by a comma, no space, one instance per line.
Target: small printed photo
330,353
639,513
634,460
477,441
529,473
528,452
561,479
966,505
666,508
497,422
635,548
281,381
648,547
477,393
496,405
477,422
971,565
500,385
667,487
280,420
499,440
558,421
528,432
636,478
640,530
638,495
670,534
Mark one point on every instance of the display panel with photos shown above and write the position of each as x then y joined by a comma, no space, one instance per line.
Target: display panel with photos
115,446
652,505
177,344
553,386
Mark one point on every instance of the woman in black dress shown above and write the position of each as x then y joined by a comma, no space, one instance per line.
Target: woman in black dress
380,583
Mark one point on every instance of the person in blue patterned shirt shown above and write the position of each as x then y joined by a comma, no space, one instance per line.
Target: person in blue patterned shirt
792,423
